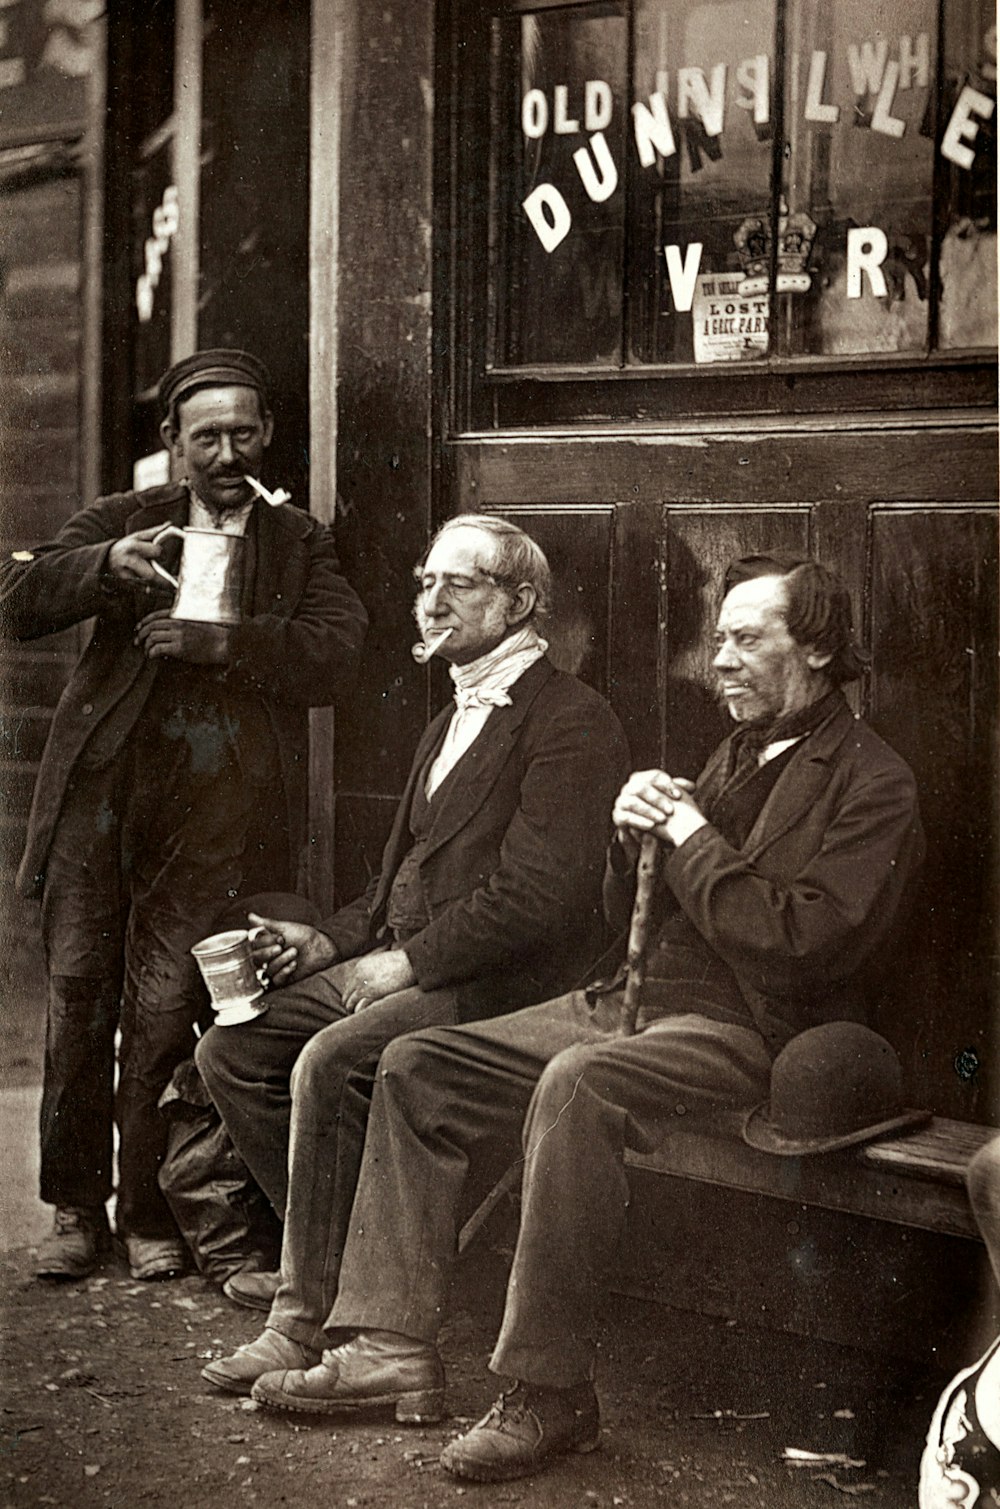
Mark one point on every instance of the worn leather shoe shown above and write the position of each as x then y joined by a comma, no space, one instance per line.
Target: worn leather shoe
238,1374
372,1368
252,1289
79,1235
155,1257
523,1431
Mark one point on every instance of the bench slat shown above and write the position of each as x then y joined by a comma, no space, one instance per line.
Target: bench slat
940,1150
913,1180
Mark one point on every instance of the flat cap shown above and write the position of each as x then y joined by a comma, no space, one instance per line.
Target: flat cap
220,367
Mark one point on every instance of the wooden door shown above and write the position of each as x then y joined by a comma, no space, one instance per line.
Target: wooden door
638,552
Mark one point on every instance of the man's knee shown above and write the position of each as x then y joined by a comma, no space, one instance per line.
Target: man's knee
322,1066
406,1059
573,1069
210,1056
564,1092
414,1073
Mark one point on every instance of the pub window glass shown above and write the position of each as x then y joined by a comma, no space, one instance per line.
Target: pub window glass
859,101
968,248
708,183
563,76
709,64
152,181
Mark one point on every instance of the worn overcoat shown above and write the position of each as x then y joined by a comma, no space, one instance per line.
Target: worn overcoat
803,911
511,871
296,648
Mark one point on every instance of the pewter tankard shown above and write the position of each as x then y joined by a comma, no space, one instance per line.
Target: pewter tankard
210,576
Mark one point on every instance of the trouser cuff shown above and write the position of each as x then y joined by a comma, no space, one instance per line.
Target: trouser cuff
545,1368
416,1327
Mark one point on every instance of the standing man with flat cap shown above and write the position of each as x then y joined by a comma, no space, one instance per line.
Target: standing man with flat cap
172,783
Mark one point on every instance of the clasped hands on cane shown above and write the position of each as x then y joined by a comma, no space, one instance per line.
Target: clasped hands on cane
651,801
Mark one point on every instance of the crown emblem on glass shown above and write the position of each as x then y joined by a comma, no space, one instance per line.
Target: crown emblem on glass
796,234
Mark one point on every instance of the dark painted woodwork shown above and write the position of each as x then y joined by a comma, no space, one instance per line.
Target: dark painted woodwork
637,614
254,215
383,334
933,631
808,1271
934,459
512,401
920,1183
883,503
363,824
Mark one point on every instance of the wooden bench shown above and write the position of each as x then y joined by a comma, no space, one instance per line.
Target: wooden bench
922,1289
916,1179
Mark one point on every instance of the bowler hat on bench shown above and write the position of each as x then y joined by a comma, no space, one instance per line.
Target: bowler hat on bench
831,1086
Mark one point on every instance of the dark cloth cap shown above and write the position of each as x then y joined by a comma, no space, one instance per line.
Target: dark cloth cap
831,1086
220,367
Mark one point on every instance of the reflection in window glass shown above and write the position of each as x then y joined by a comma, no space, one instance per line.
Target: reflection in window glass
703,90
561,229
859,108
967,266
721,182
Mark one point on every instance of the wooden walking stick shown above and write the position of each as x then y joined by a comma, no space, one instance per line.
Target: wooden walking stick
638,933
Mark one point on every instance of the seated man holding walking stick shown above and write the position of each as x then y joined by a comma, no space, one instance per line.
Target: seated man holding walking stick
488,897
781,872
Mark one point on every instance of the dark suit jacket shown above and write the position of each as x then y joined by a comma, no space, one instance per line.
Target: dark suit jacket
803,911
297,648
512,869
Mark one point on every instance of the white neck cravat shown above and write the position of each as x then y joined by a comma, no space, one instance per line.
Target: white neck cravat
481,686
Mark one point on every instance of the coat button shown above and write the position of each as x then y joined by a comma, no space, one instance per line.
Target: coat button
87,709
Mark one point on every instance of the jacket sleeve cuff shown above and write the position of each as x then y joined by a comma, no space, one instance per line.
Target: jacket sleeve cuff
677,860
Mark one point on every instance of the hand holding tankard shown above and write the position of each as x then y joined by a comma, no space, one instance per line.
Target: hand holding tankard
133,557
210,578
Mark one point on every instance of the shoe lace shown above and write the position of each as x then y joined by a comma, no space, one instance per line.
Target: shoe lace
512,1410
70,1220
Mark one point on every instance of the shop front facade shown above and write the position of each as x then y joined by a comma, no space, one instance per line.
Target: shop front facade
664,282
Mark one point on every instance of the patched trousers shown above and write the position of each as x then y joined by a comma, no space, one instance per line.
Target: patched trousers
146,852
294,1090
555,1087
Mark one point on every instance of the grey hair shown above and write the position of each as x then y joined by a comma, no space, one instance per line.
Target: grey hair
517,557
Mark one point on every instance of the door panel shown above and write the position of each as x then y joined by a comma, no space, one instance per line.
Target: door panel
933,633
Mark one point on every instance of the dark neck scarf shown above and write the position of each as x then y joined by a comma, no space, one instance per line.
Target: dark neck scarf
746,743
750,740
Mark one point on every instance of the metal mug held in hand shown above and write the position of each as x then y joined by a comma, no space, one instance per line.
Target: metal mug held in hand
210,577
235,987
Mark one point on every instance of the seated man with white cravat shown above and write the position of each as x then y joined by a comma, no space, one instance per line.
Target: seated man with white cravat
488,899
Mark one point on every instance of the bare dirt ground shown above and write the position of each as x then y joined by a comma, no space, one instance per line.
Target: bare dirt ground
103,1405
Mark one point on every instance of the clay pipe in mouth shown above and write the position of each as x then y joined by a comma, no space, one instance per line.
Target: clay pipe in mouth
422,651
278,496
